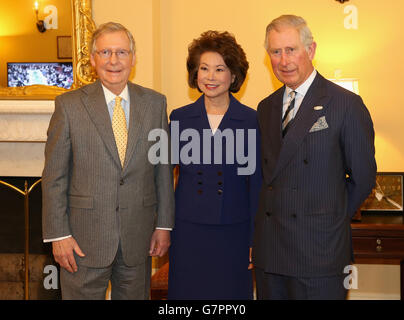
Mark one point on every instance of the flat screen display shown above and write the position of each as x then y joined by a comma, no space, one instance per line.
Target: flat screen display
58,74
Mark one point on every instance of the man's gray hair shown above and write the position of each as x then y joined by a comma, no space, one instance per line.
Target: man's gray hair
109,27
290,21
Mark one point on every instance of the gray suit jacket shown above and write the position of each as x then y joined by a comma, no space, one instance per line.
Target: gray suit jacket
86,192
314,180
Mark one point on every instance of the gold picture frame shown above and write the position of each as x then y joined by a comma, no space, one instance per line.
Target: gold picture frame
387,195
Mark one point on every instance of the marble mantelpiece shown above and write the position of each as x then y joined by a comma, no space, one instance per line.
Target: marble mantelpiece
23,126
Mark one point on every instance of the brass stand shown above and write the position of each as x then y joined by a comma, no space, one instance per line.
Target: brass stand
25,193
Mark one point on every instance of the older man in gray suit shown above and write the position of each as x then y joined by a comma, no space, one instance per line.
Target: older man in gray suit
318,167
106,208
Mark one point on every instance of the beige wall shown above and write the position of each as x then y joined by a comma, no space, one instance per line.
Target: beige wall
164,28
137,16
372,53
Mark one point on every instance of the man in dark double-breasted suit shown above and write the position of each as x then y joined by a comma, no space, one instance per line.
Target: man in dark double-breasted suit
318,166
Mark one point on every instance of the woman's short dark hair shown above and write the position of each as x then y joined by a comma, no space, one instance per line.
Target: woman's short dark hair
226,45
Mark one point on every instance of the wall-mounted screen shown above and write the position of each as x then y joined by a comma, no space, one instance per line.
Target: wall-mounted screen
58,74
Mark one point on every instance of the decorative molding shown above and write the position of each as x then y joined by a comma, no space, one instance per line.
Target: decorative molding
24,120
84,27
26,107
31,92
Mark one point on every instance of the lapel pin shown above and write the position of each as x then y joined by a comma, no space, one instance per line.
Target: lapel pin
318,108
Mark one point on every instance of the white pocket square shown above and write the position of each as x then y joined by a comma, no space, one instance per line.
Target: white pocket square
320,124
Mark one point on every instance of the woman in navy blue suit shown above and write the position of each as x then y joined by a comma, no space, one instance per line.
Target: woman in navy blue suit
219,177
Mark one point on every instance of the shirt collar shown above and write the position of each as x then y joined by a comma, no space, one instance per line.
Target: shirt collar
109,96
302,89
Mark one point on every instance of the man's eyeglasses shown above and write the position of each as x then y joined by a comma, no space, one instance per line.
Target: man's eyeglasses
120,54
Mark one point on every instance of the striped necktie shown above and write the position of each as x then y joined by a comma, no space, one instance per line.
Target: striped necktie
288,116
119,129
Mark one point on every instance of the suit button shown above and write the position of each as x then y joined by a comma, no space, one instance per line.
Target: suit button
294,215
199,191
199,173
117,208
219,192
219,173
306,161
121,182
268,213
270,188
199,182
265,160
220,183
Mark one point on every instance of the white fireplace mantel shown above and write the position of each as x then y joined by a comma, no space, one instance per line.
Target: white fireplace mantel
23,126
25,120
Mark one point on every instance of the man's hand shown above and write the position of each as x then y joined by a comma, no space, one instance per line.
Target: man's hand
160,241
63,253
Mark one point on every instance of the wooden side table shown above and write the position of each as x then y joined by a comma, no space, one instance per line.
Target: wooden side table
379,239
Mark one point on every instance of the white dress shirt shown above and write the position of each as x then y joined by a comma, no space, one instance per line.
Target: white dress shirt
110,100
300,93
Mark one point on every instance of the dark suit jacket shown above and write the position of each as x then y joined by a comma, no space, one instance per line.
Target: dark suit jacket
86,192
313,181
218,195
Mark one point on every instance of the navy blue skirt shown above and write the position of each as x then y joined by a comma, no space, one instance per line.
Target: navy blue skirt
209,262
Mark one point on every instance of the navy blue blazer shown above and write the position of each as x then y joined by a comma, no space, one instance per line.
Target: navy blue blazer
215,193
315,178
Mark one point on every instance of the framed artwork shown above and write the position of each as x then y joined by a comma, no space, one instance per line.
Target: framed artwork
387,195
64,47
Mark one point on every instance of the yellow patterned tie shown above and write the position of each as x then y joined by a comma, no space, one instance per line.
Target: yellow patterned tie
119,128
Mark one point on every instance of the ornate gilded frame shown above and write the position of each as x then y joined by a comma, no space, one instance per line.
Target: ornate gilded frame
83,27
387,195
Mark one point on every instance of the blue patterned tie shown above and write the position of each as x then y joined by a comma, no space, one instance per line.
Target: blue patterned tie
288,116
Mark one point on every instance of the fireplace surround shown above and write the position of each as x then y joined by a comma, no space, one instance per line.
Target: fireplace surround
23,125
